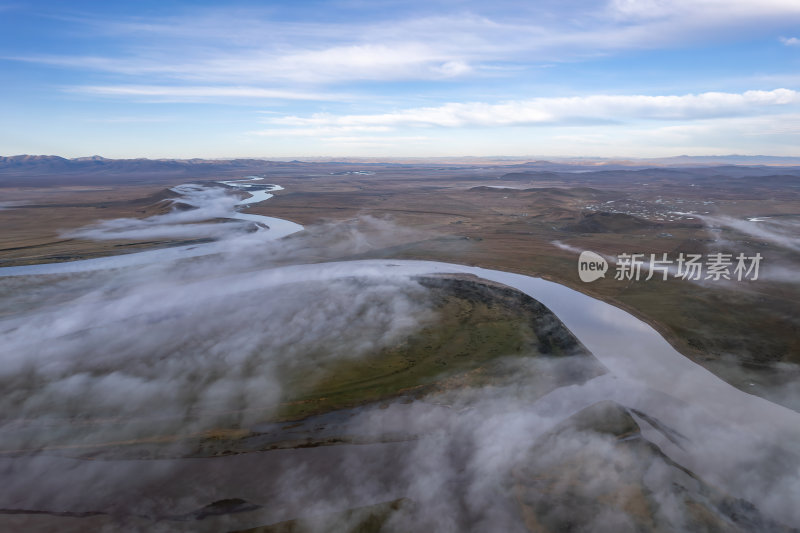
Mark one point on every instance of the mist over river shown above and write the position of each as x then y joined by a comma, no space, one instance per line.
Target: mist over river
103,350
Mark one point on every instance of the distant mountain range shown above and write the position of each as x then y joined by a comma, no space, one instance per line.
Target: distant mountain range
49,165
726,160
53,164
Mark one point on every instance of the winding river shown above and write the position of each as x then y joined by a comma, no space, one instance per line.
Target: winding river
271,228
646,372
630,348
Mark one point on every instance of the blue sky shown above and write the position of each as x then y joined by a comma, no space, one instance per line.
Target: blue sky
617,78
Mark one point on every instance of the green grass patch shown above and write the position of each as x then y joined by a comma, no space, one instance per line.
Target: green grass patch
475,324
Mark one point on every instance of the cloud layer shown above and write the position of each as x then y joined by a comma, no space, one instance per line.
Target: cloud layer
585,70
564,110
256,48
174,348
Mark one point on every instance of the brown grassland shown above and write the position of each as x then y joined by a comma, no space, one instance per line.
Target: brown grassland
739,330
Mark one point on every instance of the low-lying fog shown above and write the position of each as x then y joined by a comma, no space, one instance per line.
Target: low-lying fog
179,347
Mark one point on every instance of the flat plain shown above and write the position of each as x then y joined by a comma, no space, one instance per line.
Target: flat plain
532,218
336,405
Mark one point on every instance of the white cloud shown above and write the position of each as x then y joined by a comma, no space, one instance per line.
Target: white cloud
562,110
129,119
350,137
369,141
790,41
221,45
173,92
370,61
367,65
722,9
318,132
318,63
